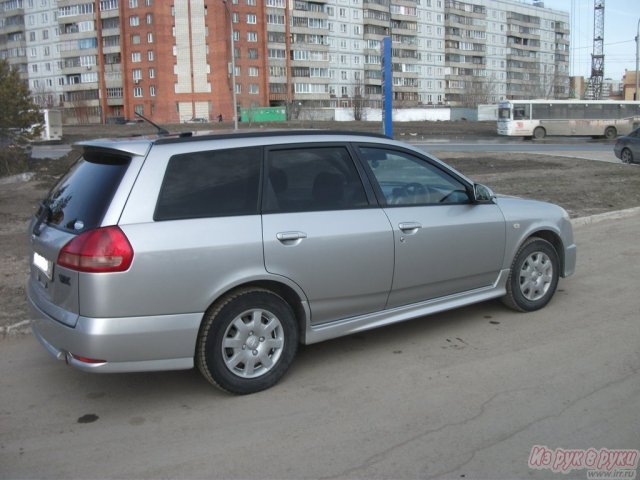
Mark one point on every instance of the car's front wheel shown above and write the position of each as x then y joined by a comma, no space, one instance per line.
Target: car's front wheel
534,276
626,156
247,341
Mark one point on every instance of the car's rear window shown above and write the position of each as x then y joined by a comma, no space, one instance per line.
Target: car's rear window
81,198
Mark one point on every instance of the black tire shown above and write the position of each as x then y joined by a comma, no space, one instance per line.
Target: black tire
626,156
259,347
539,133
525,294
610,133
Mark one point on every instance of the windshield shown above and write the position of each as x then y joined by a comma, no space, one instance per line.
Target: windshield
504,113
81,197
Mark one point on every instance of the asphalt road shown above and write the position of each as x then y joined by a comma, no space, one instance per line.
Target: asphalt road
464,394
569,147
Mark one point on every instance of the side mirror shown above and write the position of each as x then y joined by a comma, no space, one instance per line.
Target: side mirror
482,194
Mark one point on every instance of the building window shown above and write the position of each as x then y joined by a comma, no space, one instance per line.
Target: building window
252,37
150,37
254,89
133,3
136,57
236,35
137,74
152,73
135,39
152,91
253,71
150,56
134,20
137,92
149,19
251,18
252,53
235,17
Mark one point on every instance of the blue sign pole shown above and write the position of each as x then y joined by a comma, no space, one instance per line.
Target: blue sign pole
387,88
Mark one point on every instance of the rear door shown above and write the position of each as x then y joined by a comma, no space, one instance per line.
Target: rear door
444,244
322,230
76,204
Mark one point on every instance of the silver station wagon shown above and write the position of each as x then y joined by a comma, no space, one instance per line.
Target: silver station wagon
228,251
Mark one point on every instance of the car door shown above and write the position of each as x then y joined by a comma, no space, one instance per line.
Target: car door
444,243
323,230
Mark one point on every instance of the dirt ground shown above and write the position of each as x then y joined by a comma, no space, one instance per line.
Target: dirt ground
583,187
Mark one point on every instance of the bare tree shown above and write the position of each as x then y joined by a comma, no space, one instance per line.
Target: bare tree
545,81
44,97
358,100
478,90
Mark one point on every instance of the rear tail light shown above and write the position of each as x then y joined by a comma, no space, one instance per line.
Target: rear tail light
101,250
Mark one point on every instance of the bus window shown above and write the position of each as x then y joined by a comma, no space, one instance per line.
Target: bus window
504,113
540,111
595,111
521,111
575,111
611,111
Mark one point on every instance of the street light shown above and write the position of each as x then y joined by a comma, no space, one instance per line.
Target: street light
233,68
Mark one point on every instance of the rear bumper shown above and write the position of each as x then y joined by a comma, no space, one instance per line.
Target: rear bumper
132,344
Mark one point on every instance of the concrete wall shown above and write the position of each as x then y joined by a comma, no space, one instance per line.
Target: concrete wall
399,115
487,113
459,113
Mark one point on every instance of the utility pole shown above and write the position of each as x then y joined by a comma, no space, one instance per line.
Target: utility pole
597,57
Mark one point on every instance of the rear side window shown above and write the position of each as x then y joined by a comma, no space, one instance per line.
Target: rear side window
312,179
81,198
216,183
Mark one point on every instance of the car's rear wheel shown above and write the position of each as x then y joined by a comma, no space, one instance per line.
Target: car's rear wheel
610,133
539,133
534,276
247,341
626,155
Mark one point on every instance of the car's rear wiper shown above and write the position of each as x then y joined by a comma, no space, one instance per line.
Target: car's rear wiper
44,215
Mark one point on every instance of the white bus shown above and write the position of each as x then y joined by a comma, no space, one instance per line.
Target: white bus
539,118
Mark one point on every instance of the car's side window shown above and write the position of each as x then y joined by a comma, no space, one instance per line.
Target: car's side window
406,179
216,183
312,179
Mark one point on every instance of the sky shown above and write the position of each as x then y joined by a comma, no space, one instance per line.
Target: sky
620,29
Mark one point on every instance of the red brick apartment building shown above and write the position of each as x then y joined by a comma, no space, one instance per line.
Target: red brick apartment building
176,58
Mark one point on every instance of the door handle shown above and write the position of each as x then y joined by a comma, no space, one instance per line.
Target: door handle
409,227
290,236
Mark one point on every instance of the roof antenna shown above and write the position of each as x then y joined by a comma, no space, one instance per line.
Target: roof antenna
161,130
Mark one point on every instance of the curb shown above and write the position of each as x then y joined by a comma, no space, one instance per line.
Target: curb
20,328
600,217
24,327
